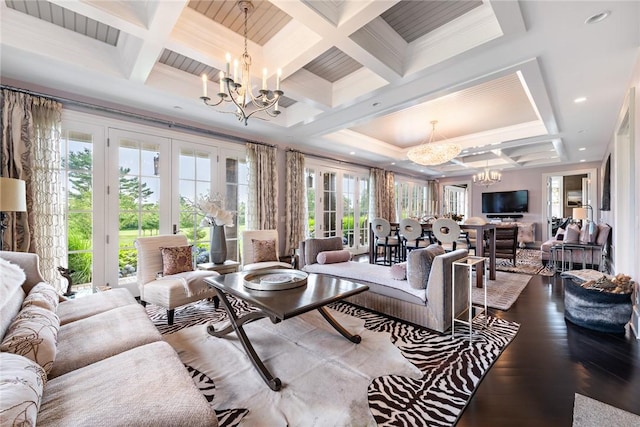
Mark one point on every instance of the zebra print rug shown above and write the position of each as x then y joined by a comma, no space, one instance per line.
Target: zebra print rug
451,368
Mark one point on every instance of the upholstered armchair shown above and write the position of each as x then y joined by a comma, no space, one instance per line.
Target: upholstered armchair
260,250
168,279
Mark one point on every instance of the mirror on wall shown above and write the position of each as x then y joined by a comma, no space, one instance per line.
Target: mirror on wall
565,191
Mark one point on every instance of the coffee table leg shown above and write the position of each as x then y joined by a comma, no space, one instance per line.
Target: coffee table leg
338,327
236,323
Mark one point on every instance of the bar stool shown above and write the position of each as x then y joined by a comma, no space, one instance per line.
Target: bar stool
384,239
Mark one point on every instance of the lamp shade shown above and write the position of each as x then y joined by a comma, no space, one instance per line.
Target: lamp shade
13,195
580,213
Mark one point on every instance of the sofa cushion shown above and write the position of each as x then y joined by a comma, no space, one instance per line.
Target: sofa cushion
586,236
90,305
603,234
33,334
42,295
144,386
419,265
121,329
264,250
572,234
177,259
21,385
332,257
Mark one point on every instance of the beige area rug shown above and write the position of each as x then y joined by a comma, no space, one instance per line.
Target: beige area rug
502,292
528,261
325,377
589,412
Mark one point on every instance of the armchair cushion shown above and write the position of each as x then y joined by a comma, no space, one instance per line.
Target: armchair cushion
176,259
332,257
264,250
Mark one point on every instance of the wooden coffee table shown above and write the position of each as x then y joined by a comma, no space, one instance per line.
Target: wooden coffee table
279,305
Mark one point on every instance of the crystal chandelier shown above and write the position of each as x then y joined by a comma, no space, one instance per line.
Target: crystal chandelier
238,89
487,177
433,153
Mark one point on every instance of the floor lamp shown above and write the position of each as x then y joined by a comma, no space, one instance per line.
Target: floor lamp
13,198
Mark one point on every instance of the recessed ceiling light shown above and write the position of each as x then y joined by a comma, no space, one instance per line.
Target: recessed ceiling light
421,170
598,17
582,148
553,149
582,160
580,100
352,152
393,163
465,151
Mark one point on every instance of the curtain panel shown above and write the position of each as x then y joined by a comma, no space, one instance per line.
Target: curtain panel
382,200
296,199
262,209
31,129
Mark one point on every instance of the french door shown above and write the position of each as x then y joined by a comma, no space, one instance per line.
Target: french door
337,205
154,187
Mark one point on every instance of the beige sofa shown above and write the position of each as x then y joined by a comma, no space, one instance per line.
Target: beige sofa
429,307
91,361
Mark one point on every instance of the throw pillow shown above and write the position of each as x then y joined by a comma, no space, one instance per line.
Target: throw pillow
34,334
572,235
399,271
332,257
177,259
419,265
21,385
264,250
42,295
603,234
560,234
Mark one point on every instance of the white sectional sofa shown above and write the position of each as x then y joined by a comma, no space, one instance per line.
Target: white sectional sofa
429,306
91,361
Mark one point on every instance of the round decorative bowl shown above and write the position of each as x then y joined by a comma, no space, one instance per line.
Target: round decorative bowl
276,279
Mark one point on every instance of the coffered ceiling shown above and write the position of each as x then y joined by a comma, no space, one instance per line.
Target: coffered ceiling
362,79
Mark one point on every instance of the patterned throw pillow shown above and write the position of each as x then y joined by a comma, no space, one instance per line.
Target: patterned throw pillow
42,295
34,334
176,259
21,385
264,250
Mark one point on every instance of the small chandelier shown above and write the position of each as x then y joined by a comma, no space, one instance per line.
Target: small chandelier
433,153
487,177
238,89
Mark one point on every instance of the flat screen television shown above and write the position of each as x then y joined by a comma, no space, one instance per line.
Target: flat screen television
505,202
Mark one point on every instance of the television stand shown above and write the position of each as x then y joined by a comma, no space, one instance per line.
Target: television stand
504,215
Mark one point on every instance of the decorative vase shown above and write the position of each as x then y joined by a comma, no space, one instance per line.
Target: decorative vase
218,245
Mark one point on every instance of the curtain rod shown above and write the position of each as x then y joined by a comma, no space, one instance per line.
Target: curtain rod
142,117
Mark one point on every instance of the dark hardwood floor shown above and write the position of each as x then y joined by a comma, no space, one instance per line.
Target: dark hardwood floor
534,380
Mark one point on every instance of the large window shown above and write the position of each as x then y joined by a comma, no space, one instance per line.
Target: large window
411,198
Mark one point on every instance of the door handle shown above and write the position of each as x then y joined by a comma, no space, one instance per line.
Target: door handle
175,228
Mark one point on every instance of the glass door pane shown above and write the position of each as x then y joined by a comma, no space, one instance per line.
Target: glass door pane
363,213
310,183
348,210
329,209
141,204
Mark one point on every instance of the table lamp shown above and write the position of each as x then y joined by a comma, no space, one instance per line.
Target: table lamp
13,198
582,213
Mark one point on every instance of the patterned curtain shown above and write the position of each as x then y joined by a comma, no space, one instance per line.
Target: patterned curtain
296,201
262,209
382,200
31,152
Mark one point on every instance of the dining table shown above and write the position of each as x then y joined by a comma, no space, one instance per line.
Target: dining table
488,231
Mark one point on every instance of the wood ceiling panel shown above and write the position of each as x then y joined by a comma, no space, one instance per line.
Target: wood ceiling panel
333,65
413,19
264,22
67,19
